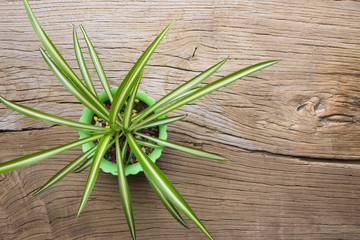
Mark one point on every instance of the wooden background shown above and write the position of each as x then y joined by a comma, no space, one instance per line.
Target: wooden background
291,132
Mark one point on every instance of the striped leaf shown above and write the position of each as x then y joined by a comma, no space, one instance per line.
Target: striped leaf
169,206
99,153
72,88
65,171
124,190
129,82
186,149
59,60
163,121
50,118
180,90
87,163
36,157
208,89
124,149
153,173
148,144
130,104
82,65
97,64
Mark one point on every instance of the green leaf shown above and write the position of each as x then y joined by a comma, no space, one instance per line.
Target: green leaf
169,206
49,46
153,173
180,90
36,157
171,101
130,104
50,118
124,190
163,121
82,65
128,83
99,153
59,60
148,144
65,171
123,150
128,161
89,161
100,111
71,88
185,149
185,94
208,89
97,64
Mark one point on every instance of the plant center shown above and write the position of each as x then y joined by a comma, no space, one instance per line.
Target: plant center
130,158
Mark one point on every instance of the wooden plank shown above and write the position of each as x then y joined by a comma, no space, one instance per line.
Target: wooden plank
298,107
291,132
255,195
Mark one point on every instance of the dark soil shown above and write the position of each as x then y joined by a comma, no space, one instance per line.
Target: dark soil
110,154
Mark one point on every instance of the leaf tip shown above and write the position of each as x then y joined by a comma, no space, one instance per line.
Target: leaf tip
37,192
78,214
178,14
221,158
275,61
183,223
173,20
82,28
272,62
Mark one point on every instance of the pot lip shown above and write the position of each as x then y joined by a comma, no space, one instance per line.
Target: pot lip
108,166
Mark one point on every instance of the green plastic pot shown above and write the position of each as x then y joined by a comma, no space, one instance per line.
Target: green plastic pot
108,166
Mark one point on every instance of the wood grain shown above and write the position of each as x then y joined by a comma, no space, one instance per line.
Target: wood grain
291,132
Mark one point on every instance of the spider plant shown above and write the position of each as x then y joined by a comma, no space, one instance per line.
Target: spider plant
121,125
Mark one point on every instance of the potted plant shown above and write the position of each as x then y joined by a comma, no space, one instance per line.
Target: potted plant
120,127
132,166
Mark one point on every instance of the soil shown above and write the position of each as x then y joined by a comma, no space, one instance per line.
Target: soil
130,158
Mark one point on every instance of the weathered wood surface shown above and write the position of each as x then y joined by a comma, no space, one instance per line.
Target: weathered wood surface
291,132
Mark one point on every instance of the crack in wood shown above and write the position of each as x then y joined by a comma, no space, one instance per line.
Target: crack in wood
26,129
355,161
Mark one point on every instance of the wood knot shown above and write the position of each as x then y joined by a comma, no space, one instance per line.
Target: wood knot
314,106
332,115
